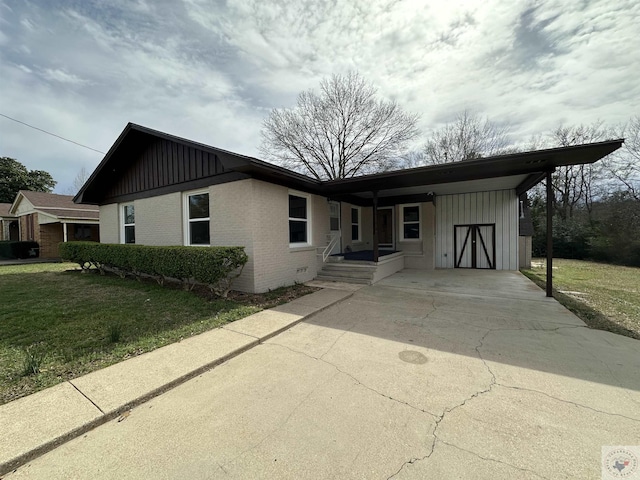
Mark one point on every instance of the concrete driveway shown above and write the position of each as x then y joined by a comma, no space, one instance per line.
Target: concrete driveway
443,375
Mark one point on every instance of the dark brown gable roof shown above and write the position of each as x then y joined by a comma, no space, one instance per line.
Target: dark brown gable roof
145,163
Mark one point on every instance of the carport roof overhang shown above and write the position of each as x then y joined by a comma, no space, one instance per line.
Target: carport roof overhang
520,171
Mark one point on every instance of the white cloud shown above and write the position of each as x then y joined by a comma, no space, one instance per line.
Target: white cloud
58,75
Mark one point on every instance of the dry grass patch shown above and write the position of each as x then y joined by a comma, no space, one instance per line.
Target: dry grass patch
606,297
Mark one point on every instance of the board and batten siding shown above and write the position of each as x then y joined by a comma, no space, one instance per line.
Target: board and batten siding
499,207
164,163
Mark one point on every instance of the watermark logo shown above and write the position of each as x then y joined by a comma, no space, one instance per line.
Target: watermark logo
621,462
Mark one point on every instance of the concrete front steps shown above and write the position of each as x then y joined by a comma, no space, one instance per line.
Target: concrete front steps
347,272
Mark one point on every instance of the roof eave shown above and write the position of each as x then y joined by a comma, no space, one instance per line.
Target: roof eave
499,166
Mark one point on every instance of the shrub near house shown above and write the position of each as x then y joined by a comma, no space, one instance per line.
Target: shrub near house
215,267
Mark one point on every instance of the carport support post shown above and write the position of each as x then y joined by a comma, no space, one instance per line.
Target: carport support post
549,235
375,226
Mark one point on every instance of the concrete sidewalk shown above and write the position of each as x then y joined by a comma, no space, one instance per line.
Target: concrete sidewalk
28,261
35,424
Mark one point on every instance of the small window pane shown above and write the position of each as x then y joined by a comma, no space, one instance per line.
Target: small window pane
130,234
199,205
354,215
82,232
199,232
412,230
334,224
411,214
297,231
354,233
297,207
129,214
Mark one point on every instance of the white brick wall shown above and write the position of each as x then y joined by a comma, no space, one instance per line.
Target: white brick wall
159,220
276,264
109,226
248,213
230,213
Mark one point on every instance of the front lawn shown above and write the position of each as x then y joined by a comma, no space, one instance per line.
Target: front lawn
64,323
604,296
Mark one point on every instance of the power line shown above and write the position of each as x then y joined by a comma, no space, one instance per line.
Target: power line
49,133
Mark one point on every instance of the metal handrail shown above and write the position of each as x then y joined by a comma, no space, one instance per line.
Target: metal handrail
332,243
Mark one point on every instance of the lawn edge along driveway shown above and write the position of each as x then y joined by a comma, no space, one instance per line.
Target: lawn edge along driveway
33,425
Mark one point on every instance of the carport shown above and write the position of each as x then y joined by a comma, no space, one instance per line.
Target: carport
477,202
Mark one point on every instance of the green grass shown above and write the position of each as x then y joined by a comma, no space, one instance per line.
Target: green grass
66,323
604,296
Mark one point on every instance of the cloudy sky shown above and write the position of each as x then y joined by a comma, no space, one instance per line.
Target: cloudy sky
211,71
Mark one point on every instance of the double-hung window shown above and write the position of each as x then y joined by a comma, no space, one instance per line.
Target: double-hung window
128,224
298,220
197,231
411,222
355,224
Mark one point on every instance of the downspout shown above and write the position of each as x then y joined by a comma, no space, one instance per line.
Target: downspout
549,234
375,226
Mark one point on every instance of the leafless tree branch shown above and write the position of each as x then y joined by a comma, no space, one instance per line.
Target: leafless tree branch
342,131
469,137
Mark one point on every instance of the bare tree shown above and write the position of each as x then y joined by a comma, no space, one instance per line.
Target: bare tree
413,158
81,177
578,184
469,137
342,131
624,164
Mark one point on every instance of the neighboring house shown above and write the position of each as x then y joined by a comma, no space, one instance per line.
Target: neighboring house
157,189
48,218
8,223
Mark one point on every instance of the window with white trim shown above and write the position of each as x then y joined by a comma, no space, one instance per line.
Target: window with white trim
355,224
197,221
128,224
410,222
298,219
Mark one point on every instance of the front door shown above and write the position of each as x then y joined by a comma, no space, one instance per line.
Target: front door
474,246
384,225
14,231
334,225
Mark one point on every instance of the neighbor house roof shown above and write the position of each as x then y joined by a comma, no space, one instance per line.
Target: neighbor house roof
4,210
54,205
520,171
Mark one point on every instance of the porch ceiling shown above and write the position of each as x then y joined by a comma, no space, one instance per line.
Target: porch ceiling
482,185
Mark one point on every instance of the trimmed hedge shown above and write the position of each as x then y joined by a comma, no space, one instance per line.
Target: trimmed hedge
15,249
215,267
